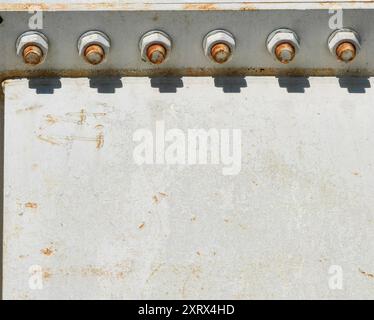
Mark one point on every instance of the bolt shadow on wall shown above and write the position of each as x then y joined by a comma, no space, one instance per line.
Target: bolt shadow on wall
166,84
354,84
106,85
45,86
294,84
230,84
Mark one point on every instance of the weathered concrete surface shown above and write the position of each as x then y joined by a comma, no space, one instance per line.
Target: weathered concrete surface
100,226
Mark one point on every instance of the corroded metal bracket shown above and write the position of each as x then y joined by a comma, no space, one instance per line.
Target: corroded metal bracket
187,23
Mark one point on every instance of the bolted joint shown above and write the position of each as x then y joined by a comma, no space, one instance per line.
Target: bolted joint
94,47
283,45
32,47
156,53
219,46
344,44
155,46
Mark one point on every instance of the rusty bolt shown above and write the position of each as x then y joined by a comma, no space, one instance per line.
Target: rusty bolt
346,51
344,44
220,52
285,52
155,46
219,45
94,47
283,45
156,53
32,55
94,54
32,47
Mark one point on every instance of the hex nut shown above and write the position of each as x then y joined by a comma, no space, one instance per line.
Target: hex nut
155,46
94,46
344,44
283,45
32,47
219,46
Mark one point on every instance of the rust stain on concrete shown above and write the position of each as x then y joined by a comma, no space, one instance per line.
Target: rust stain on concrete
31,205
82,116
58,140
28,109
100,140
51,119
247,6
118,271
367,274
120,6
47,139
199,6
157,197
47,275
49,251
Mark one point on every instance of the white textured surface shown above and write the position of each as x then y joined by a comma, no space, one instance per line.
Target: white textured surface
302,202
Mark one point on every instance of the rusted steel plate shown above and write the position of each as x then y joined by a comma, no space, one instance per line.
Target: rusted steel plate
82,219
187,23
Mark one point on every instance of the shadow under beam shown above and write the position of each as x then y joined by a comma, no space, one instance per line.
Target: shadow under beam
294,84
354,84
45,85
167,84
230,84
106,84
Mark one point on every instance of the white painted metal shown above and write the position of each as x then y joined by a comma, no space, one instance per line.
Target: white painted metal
101,226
